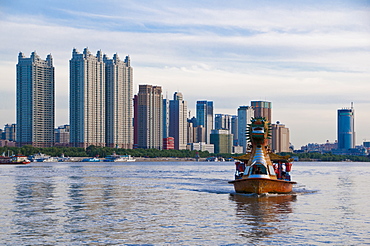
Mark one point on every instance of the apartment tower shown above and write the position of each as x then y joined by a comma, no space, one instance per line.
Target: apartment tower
87,99
280,138
118,101
178,121
148,117
35,101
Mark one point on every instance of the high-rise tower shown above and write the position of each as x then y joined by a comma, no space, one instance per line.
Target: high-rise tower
222,121
262,109
166,117
87,99
346,132
280,138
35,101
178,121
148,117
205,117
119,93
245,114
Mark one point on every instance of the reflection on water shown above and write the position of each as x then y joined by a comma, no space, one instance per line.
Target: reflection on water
178,204
33,209
263,216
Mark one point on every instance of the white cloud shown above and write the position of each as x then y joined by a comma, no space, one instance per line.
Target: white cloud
307,60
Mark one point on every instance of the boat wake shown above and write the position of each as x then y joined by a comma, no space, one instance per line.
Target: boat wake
301,190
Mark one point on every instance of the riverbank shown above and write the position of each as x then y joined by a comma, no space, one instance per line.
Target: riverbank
145,159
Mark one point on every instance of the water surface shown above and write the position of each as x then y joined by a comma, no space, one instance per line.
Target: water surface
180,203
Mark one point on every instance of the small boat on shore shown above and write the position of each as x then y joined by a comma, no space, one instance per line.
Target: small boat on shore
40,157
14,160
94,159
215,159
261,171
119,158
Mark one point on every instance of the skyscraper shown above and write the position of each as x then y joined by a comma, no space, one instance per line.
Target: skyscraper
222,141
10,132
222,121
280,138
205,117
166,117
35,101
178,121
234,129
87,99
245,114
262,109
119,93
346,132
148,117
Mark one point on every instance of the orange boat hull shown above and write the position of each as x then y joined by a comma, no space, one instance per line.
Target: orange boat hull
262,185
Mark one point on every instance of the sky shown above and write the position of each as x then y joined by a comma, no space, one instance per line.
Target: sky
309,58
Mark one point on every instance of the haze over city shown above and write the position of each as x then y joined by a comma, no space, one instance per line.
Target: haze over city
308,58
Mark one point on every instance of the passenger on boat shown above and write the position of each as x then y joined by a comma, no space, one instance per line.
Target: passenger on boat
283,175
258,170
240,168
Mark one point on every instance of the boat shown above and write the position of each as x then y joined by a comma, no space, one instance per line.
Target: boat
40,157
14,160
215,159
94,159
64,159
119,158
261,171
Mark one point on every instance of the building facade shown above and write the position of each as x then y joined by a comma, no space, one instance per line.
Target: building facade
222,122
166,117
222,141
204,111
201,146
35,101
87,99
280,138
119,93
148,129
262,109
178,121
346,131
62,135
234,129
10,132
245,114
169,143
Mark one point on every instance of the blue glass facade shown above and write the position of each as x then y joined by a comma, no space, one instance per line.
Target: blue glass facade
205,116
346,134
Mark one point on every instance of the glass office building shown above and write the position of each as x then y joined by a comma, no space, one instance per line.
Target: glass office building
346,134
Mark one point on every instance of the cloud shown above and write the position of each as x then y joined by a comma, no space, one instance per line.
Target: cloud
299,56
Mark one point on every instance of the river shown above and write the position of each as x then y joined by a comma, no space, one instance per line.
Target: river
180,203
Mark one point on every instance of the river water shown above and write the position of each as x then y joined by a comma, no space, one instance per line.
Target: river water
180,203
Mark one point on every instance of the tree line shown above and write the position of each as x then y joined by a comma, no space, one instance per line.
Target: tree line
315,156
93,151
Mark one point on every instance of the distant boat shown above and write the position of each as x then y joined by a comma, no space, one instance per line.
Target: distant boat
119,158
94,159
64,159
14,160
217,159
260,171
40,157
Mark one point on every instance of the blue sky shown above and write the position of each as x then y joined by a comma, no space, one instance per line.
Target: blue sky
308,58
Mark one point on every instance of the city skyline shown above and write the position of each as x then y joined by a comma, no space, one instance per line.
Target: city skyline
309,59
